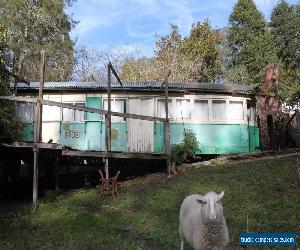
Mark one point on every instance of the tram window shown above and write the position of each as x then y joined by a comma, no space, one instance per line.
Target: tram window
161,109
25,111
72,115
219,110
200,111
251,110
183,110
236,110
117,105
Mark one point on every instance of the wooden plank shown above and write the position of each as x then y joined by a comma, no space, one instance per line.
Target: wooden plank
41,145
19,99
86,109
121,155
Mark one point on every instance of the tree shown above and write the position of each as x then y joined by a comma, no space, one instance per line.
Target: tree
37,24
285,29
195,58
203,47
10,126
88,65
250,41
141,69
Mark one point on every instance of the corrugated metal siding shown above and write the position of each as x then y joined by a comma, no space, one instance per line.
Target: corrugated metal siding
217,87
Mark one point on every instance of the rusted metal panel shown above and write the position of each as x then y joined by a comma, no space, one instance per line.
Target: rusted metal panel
140,133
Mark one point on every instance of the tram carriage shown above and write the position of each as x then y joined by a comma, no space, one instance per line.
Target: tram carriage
222,116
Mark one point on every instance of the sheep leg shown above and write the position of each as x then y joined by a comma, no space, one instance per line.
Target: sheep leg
181,237
181,245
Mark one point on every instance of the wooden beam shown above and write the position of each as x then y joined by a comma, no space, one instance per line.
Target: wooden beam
40,97
19,99
41,145
121,155
85,109
115,73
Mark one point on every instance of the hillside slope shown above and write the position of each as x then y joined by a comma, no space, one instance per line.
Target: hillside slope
260,196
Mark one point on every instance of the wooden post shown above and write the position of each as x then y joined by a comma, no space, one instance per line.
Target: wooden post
167,123
106,168
108,123
35,178
40,97
38,132
108,119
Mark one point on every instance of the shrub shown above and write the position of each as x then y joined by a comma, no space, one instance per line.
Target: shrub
187,149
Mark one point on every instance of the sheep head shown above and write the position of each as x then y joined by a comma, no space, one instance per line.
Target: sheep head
211,206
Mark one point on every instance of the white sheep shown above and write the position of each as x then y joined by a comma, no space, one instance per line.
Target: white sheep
201,223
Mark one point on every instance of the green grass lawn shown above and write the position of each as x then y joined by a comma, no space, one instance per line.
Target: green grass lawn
265,192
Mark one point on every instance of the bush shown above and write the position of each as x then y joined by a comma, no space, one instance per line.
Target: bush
187,149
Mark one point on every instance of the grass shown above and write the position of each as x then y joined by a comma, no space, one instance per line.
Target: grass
265,192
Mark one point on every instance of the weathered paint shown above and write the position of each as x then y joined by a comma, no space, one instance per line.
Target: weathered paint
119,137
93,102
95,136
140,132
73,135
90,136
213,138
28,132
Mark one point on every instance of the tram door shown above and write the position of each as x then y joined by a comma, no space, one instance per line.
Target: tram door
140,132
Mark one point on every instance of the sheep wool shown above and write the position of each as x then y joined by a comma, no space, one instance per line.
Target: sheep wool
201,223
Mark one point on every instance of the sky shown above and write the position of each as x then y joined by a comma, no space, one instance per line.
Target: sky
129,26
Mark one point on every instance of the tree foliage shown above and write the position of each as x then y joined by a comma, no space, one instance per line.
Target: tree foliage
250,42
37,24
285,29
10,126
202,47
195,58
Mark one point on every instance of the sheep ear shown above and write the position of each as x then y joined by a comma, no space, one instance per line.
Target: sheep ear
201,200
220,195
